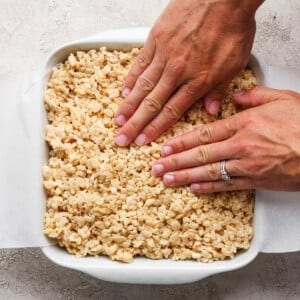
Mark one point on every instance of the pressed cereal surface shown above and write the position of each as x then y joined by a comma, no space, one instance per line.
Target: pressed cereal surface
103,199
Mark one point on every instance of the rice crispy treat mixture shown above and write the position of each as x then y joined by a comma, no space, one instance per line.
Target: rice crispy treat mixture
103,199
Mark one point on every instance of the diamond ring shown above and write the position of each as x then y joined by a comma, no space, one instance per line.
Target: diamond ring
224,175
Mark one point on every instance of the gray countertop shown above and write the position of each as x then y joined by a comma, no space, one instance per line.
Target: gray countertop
29,30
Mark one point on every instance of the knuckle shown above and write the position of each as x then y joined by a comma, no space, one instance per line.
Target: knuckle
184,177
176,67
231,126
192,89
204,134
171,112
208,187
133,125
143,61
242,148
130,79
182,144
174,163
213,171
156,32
234,145
128,106
256,168
247,148
202,156
152,105
145,84
239,168
152,131
250,118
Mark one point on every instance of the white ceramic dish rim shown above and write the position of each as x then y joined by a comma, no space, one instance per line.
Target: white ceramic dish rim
143,270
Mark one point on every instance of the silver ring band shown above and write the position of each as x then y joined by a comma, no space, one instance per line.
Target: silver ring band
224,175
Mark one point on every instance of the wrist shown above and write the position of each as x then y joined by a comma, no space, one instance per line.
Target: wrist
250,6
242,11
243,7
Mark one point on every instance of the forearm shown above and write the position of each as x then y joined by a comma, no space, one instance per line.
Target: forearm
248,6
255,4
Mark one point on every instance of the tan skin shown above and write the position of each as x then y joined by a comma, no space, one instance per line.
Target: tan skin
261,147
193,50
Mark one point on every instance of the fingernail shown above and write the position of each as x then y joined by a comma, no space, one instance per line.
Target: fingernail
120,120
166,150
238,94
195,187
141,139
121,140
125,92
157,169
214,107
169,179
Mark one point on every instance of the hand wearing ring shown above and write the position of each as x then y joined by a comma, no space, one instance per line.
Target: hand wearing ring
258,145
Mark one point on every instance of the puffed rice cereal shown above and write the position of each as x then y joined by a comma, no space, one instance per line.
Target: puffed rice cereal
103,199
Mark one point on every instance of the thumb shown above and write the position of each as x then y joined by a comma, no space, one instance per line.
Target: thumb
257,96
213,99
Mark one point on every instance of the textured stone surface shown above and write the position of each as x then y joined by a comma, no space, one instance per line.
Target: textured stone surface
29,30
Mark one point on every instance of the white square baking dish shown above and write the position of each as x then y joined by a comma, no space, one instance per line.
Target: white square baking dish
141,270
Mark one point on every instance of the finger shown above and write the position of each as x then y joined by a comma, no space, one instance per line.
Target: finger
213,100
204,134
172,111
257,96
222,186
206,173
197,156
142,61
152,104
212,105
144,85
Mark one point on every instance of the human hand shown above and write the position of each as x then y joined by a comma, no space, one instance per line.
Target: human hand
194,49
261,146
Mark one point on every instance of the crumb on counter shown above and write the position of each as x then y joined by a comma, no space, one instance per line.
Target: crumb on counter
103,199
